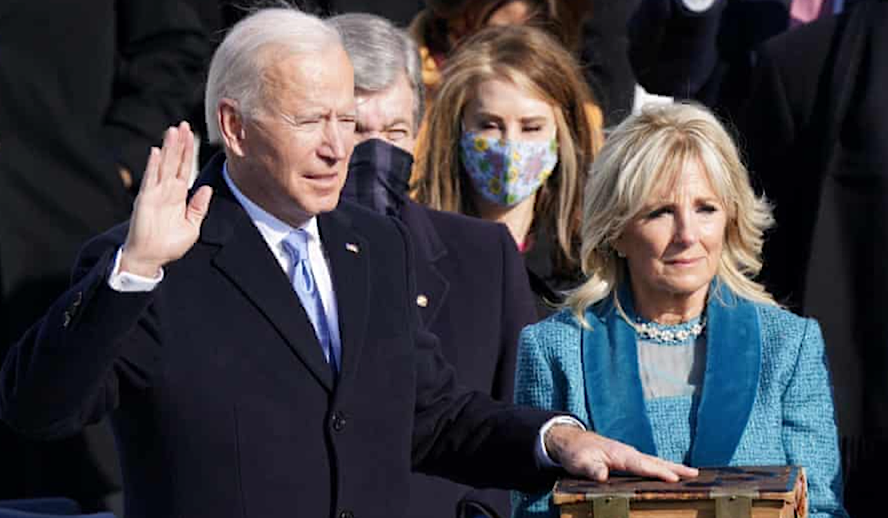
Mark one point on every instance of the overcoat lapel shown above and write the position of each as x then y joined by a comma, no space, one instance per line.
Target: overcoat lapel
614,396
430,249
349,267
730,383
244,258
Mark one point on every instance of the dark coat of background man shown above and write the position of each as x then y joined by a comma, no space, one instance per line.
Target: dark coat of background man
816,128
85,89
472,289
220,395
704,49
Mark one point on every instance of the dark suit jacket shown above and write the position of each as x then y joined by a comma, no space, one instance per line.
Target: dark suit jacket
476,299
604,56
84,87
816,132
221,399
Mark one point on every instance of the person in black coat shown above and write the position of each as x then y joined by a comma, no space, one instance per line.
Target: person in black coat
701,49
472,290
85,89
816,134
604,55
257,343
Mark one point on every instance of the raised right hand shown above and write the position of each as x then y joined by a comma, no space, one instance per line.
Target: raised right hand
164,224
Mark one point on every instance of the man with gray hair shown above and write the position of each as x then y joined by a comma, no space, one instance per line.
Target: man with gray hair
477,302
256,343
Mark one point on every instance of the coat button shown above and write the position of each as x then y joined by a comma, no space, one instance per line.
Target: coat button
72,309
346,514
422,301
339,423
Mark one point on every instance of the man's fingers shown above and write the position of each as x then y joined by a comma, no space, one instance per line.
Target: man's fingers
187,139
150,176
682,471
599,472
654,467
170,154
198,205
591,455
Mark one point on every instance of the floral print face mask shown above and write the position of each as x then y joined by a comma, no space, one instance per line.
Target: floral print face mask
506,172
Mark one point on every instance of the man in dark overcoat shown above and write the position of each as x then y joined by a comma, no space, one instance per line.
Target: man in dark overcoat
257,343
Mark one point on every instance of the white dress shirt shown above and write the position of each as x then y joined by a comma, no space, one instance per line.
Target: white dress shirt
274,231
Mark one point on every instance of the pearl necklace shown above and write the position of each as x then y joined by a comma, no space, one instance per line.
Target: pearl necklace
669,334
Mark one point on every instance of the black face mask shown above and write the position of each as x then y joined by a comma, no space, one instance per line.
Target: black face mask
378,176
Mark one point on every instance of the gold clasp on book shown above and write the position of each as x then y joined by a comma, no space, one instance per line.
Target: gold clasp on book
610,506
733,504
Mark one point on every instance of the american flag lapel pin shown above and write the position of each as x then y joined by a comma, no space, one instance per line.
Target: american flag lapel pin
353,248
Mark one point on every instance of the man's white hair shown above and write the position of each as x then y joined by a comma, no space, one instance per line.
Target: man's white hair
380,52
258,40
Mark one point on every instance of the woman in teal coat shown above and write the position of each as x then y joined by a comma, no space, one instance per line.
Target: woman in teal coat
670,345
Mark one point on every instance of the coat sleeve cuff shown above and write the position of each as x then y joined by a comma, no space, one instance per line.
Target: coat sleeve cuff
126,282
542,456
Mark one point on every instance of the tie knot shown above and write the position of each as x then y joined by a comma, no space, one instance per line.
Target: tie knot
296,244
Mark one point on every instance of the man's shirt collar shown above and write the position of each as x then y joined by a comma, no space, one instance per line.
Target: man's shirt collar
272,229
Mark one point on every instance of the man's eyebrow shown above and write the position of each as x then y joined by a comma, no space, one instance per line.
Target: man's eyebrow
296,116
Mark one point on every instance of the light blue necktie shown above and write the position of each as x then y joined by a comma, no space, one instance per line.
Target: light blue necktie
296,245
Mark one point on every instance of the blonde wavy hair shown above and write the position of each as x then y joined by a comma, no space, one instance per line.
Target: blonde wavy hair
533,60
641,154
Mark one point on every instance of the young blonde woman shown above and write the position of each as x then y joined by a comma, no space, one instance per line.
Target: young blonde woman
509,139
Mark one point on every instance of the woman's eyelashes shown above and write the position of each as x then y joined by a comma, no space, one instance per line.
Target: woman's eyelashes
663,210
708,208
500,128
660,211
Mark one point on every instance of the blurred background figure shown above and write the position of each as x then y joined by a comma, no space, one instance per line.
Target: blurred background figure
399,12
85,90
439,28
509,139
670,345
472,289
816,128
604,56
703,49
599,42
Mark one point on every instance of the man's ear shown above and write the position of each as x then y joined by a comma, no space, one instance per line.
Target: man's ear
231,126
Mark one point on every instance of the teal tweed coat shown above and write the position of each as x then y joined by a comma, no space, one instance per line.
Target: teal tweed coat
766,396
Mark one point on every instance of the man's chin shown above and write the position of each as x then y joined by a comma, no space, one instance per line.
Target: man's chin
325,203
